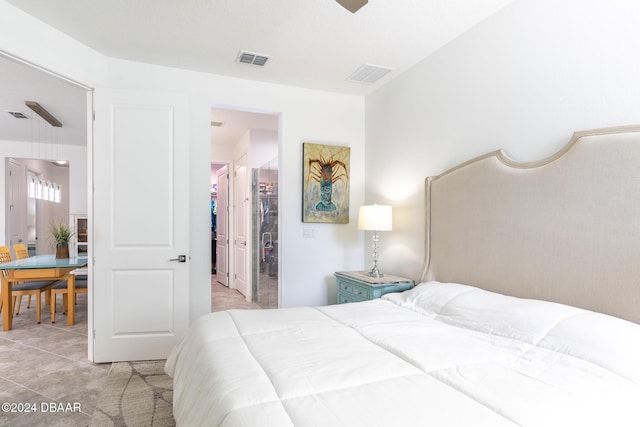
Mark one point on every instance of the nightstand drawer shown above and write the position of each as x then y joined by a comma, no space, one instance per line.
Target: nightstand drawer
344,298
354,289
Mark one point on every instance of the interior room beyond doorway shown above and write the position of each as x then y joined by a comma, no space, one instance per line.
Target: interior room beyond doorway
244,145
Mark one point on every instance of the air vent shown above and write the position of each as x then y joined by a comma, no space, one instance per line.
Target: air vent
369,74
217,124
252,58
17,114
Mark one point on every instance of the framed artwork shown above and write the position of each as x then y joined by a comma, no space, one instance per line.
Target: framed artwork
325,187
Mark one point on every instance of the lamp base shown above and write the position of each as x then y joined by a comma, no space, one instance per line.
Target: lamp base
375,273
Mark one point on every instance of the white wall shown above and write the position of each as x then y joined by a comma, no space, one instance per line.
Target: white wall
76,190
523,80
307,265
263,147
305,277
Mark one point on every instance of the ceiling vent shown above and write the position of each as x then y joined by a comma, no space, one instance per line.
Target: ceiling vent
369,74
17,114
252,58
217,124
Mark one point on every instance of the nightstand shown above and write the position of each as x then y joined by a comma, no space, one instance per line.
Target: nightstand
354,286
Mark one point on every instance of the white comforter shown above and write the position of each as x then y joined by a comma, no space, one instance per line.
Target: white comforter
438,355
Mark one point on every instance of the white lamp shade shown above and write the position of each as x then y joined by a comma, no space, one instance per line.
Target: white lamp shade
375,217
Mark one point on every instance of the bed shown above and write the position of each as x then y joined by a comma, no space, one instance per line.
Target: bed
526,314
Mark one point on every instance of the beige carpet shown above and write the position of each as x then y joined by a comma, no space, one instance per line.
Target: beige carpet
135,394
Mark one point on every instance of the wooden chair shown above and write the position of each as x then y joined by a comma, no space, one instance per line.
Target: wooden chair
61,288
20,252
5,256
29,288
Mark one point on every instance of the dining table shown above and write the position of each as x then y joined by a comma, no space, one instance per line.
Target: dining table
39,267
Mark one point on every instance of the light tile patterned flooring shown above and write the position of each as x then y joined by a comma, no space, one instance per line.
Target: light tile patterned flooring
46,365
223,298
267,291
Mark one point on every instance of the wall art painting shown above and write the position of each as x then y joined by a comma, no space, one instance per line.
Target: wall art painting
325,186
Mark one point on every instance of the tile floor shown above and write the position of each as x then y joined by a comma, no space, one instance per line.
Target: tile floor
223,298
46,365
267,295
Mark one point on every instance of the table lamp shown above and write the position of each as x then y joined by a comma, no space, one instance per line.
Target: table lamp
375,218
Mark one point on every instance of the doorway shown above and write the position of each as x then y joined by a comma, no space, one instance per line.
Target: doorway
37,196
33,217
242,141
27,136
219,190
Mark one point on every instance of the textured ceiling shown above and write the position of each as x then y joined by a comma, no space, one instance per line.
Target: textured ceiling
315,44
312,43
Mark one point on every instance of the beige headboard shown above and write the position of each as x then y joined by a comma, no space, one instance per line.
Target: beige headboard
564,229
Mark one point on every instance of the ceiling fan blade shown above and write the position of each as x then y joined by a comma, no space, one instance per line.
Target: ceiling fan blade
352,5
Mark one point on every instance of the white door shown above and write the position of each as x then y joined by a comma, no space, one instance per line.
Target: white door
141,224
16,200
241,229
222,223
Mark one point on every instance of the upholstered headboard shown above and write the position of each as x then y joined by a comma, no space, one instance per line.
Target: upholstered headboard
564,229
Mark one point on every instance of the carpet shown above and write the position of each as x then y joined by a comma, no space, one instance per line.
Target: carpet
135,394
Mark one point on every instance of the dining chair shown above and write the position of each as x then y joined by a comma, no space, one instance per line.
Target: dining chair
5,256
29,288
60,287
20,252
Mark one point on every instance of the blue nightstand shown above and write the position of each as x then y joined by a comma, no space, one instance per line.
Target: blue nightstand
354,286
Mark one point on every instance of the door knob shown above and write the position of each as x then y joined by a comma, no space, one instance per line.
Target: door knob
181,258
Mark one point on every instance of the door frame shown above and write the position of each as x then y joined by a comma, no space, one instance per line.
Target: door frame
231,223
14,196
89,162
232,263
228,165
231,156
241,220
